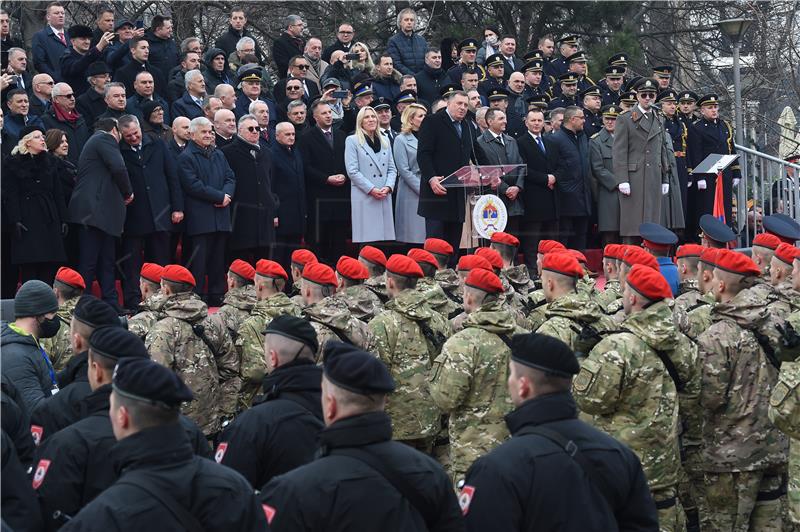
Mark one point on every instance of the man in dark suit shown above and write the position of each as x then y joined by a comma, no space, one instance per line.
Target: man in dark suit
288,183
511,63
18,68
540,220
327,189
140,54
289,44
446,143
50,43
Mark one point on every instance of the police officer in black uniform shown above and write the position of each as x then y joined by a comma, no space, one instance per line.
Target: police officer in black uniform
498,99
363,480
536,83
567,46
619,63
15,421
163,485
64,408
568,84
74,465
468,50
687,103
677,130
611,85
556,472
494,75
578,63
591,102
279,433
663,75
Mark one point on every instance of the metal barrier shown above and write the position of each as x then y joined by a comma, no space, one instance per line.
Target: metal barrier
768,185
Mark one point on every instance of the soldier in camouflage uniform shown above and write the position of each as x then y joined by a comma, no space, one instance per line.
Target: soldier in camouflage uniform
300,257
151,303
515,302
68,287
361,301
431,290
586,284
240,297
695,319
762,251
270,280
329,316
198,349
467,263
375,262
687,259
572,317
445,276
626,385
468,379
536,300
632,255
517,276
610,299
409,336
744,455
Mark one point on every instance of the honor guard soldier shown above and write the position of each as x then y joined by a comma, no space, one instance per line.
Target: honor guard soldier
427,286
569,88
239,299
679,133
567,46
687,103
538,101
658,240
152,299
627,101
536,82
591,102
663,75
468,52
578,63
362,302
158,468
620,63
611,85
498,99
362,479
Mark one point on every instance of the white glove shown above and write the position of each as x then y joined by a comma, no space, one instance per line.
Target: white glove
664,189
689,184
625,189
701,185
736,182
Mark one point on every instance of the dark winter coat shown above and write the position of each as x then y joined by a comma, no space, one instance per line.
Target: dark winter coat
541,203
103,185
90,105
20,511
68,175
288,183
284,48
156,188
74,65
430,82
25,365
254,207
64,408
127,75
186,106
205,178
407,51
212,77
47,52
325,202
33,197
572,172
164,53
16,422
227,42
77,132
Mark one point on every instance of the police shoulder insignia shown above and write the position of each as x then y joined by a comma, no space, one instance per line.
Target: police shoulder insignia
583,380
41,471
220,454
593,136
465,498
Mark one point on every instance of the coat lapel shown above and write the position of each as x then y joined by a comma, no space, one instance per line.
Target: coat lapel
372,155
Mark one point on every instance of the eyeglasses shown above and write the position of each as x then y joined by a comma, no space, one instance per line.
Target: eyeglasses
346,32
647,95
252,129
45,82
303,67
293,88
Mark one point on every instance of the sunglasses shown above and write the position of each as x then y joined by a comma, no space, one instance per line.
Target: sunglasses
252,129
70,96
293,88
303,67
45,83
647,95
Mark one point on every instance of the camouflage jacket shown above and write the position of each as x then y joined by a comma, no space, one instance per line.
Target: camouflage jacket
362,302
295,296
150,311
378,286
784,412
178,341
688,297
610,294
437,299
410,336
695,319
59,347
469,380
519,279
780,300
577,321
250,342
737,380
448,280
537,304
236,307
625,386
333,321
790,338
587,285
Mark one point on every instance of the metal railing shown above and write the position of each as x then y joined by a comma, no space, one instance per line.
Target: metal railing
768,185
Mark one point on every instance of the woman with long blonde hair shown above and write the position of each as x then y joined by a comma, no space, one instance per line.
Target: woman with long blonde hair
370,167
409,226
363,66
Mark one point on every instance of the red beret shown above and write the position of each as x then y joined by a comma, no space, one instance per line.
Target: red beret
177,274
270,268
420,255
613,251
373,255
151,272
735,262
438,246
636,255
505,238
546,246
787,253
351,268
492,255
648,282
319,273
303,257
689,250
709,256
242,269
485,280
71,277
580,257
403,265
767,240
470,262
563,263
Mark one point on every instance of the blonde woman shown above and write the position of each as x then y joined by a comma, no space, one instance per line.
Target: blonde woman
34,207
363,66
409,226
370,167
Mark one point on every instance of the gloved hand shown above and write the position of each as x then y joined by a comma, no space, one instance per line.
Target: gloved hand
64,229
736,182
664,189
701,185
20,228
625,189
689,184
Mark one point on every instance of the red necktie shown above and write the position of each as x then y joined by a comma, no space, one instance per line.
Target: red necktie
61,38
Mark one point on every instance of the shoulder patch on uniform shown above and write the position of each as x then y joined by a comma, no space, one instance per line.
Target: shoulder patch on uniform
779,393
220,454
36,433
595,135
41,471
583,380
269,512
465,498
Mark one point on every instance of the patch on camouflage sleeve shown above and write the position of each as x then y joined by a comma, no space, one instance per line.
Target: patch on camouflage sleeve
437,366
583,380
779,393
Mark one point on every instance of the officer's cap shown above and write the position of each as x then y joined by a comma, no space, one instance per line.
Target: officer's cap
628,97
663,71
406,96
610,111
545,353
468,45
294,328
668,95
534,65
657,236
715,230
382,103
497,93
494,60
144,380
577,57
620,59
688,96
354,370
447,89
363,88
533,55
568,39
782,226
592,90
646,85
251,74
708,99
568,78
615,71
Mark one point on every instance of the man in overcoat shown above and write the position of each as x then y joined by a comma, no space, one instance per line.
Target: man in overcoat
604,185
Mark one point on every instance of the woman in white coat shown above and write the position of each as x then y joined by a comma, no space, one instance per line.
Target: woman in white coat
370,167
409,226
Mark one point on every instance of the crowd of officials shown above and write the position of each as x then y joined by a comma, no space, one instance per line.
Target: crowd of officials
364,371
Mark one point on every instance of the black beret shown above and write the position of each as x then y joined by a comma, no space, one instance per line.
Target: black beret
357,371
79,30
116,343
294,328
544,353
95,312
714,229
144,380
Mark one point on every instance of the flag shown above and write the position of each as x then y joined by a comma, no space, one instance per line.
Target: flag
718,211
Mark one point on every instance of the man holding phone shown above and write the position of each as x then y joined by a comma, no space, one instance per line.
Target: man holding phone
75,62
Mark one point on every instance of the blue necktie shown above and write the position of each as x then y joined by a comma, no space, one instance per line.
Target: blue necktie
457,125
541,144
